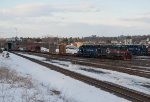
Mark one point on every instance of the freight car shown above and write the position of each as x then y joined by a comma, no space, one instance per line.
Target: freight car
148,50
33,48
104,51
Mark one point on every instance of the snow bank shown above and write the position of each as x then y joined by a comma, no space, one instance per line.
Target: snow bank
69,87
126,80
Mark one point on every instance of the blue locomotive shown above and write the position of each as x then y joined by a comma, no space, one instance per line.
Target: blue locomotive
105,51
138,50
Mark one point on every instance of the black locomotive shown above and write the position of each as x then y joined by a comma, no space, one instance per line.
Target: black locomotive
105,51
138,50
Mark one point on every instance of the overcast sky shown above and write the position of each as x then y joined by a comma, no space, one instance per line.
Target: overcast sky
76,18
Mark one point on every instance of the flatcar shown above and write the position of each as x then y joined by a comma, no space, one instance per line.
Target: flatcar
105,51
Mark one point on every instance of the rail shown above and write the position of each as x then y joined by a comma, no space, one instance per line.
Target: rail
121,91
108,66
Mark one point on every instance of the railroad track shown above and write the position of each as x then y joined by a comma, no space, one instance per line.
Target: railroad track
132,70
121,91
134,61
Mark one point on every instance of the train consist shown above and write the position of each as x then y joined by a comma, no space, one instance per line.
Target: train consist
105,51
124,52
95,51
114,51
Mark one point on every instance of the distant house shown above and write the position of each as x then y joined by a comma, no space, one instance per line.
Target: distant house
114,42
88,43
128,41
144,42
102,42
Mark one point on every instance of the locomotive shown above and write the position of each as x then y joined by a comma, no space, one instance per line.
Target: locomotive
105,51
138,50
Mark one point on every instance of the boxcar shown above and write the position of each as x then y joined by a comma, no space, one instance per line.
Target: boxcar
34,48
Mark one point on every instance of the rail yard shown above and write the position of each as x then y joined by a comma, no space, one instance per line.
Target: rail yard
74,51
113,68
131,67
121,70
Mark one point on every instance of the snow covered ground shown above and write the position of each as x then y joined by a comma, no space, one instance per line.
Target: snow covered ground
18,88
130,81
70,89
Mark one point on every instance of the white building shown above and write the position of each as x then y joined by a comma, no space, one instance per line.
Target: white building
128,41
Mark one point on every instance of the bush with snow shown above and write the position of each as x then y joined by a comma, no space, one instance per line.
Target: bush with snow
17,88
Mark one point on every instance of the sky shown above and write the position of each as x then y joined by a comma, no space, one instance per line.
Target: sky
74,18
